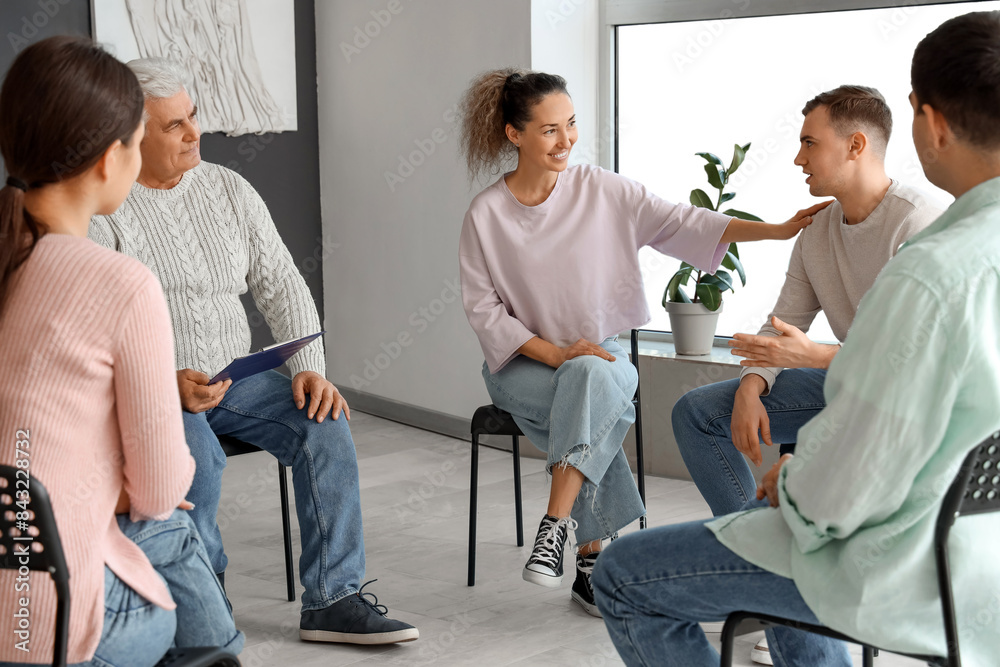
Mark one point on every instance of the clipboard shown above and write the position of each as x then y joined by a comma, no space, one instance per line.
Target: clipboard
264,360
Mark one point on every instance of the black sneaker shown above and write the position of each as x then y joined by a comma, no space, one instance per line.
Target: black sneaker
354,620
545,566
583,592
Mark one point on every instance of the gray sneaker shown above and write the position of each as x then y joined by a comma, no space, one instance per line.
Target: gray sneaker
355,620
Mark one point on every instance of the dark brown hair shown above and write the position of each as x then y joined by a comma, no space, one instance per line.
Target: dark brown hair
493,100
956,70
63,103
854,108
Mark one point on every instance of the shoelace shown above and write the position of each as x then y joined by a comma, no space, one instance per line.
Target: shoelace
586,565
380,609
546,549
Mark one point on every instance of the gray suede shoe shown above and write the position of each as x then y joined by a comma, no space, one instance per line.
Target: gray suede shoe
355,620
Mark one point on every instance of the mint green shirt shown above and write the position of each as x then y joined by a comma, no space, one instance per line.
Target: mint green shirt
915,387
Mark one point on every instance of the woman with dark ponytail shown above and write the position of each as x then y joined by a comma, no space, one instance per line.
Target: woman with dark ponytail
88,393
550,276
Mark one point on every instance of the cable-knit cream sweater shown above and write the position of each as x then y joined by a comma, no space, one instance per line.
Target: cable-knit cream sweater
209,239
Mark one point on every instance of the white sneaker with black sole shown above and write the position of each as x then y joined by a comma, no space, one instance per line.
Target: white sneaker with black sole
545,566
583,592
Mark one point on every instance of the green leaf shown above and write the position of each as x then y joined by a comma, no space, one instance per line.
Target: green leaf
733,249
745,147
733,262
742,215
685,265
727,196
673,292
721,279
710,296
714,177
711,158
738,156
701,199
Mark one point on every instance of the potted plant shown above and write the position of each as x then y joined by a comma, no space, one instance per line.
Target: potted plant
693,320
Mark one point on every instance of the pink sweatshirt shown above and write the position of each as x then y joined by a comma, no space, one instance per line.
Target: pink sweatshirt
88,372
569,267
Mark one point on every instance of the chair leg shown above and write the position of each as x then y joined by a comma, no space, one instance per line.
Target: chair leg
867,656
639,464
286,528
473,493
728,640
518,516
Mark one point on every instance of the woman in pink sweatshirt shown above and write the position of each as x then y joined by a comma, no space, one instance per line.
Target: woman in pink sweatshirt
550,276
88,395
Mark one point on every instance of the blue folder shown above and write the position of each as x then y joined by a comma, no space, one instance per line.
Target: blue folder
265,360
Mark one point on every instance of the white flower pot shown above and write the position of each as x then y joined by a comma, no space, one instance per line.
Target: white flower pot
693,326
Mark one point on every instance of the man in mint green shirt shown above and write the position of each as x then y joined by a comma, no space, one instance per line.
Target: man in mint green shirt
914,389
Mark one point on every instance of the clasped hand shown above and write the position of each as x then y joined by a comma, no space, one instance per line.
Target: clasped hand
769,485
792,349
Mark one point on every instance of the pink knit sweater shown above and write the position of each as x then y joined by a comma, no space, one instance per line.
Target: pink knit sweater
87,370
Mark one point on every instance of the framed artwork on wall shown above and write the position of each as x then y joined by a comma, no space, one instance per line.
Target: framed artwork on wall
240,55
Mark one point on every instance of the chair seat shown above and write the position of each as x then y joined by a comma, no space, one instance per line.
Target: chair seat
491,420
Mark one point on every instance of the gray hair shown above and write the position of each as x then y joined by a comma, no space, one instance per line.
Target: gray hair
160,77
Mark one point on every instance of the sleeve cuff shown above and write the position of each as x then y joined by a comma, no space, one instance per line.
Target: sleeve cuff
768,374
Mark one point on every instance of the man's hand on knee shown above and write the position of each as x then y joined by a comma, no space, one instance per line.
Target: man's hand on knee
196,394
749,418
323,396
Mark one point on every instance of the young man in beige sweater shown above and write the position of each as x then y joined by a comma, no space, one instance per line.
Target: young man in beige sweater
834,262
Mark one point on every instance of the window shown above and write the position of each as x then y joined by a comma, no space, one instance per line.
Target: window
723,77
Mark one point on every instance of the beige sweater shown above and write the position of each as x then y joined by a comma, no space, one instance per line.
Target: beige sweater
209,239
833,264
87,385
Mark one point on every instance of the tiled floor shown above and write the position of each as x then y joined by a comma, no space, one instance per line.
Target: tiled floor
415,495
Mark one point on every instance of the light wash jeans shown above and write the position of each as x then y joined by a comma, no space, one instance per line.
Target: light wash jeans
579,414
654,587
137,633
260,410
701,420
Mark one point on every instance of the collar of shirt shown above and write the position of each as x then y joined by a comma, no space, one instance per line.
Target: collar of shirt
979,197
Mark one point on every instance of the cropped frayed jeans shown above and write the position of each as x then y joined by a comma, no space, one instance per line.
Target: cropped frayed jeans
579,414
260,410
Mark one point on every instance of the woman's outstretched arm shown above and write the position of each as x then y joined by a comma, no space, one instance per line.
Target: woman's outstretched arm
744,230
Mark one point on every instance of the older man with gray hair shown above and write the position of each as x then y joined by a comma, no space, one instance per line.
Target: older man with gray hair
208,236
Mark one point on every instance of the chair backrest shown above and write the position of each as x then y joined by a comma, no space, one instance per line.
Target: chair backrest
976,490
30,539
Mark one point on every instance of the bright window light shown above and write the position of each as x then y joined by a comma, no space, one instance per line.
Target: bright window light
700,86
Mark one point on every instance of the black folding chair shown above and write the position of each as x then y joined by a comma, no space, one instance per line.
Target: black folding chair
491,420
21,529
235,447
976,490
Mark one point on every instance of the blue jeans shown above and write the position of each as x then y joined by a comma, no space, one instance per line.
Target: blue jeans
701,421
138,633
654,587
579,414
260,410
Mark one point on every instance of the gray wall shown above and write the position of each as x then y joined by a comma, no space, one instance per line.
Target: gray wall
398,336
284,168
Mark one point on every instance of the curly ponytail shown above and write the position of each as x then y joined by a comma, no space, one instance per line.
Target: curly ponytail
494,100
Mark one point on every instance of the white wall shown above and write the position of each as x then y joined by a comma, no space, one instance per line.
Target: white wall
564,41
394,191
